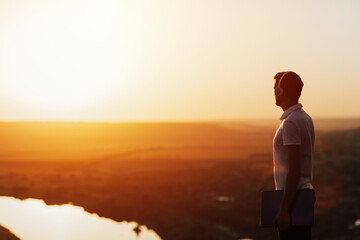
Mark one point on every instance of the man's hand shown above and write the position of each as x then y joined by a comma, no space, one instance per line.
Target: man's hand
283,220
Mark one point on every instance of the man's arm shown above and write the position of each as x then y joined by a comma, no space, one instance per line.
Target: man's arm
283,219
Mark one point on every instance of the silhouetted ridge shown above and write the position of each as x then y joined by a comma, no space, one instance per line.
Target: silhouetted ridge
6,234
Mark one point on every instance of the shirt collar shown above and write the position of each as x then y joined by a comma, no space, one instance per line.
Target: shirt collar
290,110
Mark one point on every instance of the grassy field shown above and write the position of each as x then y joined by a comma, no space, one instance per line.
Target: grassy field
184,180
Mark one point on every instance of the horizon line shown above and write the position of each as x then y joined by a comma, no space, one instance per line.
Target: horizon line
172,121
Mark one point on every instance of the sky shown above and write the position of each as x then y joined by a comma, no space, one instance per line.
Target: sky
198,60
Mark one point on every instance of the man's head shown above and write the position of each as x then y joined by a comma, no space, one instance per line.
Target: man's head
288,86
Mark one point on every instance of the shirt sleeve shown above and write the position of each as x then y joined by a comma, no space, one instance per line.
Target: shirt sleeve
291,133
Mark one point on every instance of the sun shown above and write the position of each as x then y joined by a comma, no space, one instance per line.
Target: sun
61,58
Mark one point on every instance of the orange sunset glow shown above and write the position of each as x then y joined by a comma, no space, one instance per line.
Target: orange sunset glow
173,60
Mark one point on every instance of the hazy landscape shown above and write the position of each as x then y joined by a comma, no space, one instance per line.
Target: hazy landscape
183,180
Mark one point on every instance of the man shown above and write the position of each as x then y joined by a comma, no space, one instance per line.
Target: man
292,151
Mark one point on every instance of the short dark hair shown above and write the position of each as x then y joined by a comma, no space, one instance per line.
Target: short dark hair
291,84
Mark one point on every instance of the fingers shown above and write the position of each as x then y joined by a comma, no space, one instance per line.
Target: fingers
283,225
275,223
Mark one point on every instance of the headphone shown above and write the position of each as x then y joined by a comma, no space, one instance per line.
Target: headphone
278,91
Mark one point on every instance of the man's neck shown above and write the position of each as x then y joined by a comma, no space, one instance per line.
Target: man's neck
288,104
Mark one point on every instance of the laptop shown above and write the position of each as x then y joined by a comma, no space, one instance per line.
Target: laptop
302,213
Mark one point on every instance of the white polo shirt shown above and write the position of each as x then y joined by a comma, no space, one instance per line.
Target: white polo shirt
296,128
